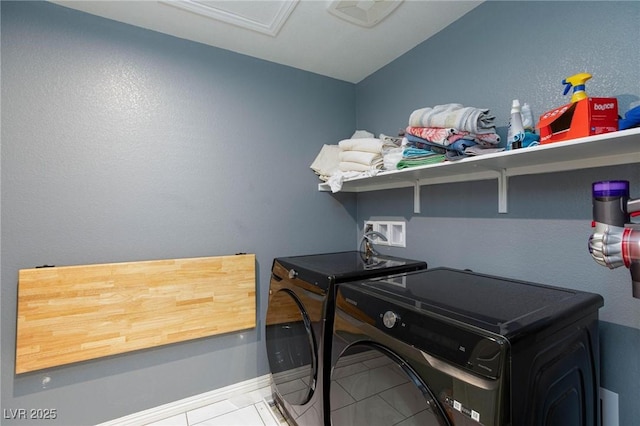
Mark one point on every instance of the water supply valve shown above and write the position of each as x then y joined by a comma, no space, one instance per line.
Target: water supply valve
616,240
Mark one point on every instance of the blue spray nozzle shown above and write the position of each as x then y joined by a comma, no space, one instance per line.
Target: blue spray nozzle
568,86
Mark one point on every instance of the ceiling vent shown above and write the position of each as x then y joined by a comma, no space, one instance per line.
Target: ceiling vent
266,17
365,13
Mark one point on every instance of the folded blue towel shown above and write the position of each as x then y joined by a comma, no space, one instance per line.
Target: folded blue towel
418,142
461,144
416,152
631,119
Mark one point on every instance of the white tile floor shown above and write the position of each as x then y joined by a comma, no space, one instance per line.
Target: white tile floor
366,390
250,409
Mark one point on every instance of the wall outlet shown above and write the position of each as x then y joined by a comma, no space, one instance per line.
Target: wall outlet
609,413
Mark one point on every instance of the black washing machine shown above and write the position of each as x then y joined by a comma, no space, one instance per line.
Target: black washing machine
448,347
299,323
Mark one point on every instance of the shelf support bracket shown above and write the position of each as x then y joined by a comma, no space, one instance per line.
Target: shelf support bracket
416,197
503,186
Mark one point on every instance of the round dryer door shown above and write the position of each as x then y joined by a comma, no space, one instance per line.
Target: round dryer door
290,348
371,386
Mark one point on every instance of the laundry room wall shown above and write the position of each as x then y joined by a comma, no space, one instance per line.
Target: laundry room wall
498,52
122,144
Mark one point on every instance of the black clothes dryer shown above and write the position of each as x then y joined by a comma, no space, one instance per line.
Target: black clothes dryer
446,347
299,323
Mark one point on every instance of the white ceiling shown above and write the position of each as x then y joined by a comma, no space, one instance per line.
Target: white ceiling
308,37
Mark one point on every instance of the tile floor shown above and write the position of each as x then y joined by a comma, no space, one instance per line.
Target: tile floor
251,409
367,389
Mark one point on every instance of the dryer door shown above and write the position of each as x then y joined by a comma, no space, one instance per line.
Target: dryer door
291,347
370,385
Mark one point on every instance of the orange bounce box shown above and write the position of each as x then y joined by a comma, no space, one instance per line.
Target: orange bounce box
590,116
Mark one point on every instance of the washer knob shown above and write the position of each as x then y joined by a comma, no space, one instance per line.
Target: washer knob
292,273
390,319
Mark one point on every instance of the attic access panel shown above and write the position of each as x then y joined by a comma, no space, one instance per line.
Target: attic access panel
266,17
366,13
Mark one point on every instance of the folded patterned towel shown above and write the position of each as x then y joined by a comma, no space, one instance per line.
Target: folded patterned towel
417,142
433,134
446,137
361,144
469,119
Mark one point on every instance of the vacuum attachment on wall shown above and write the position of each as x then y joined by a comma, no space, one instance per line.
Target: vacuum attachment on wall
366,13
616,240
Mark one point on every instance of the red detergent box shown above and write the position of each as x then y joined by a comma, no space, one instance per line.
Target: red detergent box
590,116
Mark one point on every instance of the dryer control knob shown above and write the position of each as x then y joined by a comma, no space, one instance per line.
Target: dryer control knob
390,319
292,273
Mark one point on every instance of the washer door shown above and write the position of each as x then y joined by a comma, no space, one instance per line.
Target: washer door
291,348
371,386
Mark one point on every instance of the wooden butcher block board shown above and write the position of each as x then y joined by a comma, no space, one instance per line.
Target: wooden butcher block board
76,313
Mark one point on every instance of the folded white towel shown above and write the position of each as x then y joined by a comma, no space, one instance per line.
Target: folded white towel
361,157
361,144
326,163
391,159
347,166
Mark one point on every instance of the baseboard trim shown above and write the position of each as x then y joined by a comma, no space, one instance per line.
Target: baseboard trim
174,408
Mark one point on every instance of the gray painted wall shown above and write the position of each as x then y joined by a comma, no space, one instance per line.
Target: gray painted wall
122,144
519,50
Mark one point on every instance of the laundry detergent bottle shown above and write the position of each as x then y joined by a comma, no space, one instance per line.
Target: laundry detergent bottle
515,136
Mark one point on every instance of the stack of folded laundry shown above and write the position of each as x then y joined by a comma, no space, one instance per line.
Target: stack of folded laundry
360,154
449,132
413,156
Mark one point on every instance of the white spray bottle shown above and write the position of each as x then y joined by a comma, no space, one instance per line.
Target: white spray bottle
515,135
527,118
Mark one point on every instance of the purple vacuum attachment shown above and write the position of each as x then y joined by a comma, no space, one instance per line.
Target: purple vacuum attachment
611,188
